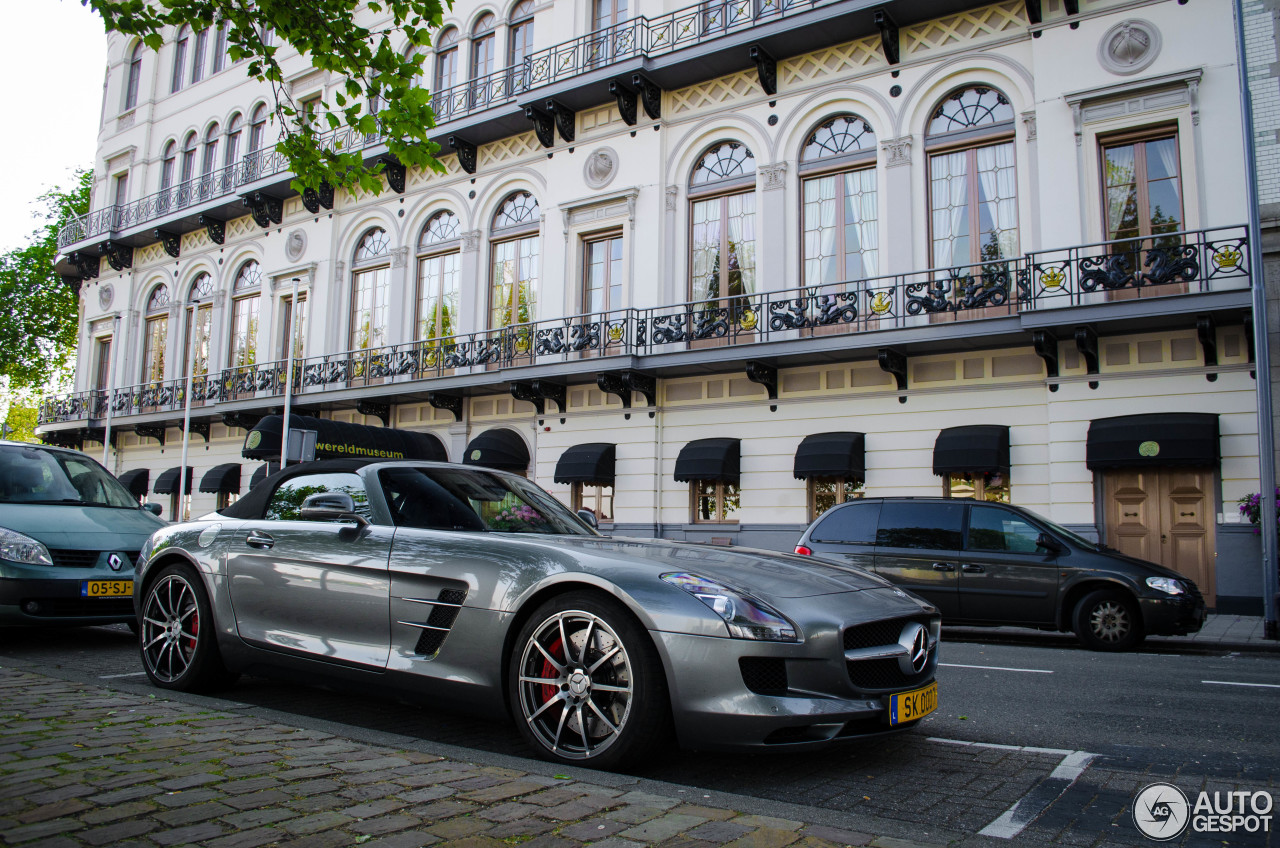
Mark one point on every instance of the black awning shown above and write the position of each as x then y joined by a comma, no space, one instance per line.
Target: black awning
1157,439
259,475
222,478
167,482
709,459
340,440
499,448
136,481
842,455
978,449
590,463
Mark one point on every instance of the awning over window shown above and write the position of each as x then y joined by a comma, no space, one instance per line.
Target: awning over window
167,482
591,463
222,478
978,449
500,448
1157,439
841,455
136,481
259,475
709,459
340,440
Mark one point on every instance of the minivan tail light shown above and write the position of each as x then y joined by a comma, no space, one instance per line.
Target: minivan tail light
803,550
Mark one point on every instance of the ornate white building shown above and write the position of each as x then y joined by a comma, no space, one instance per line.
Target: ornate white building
708,270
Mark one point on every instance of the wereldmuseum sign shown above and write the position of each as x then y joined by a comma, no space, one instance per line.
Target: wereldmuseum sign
339,439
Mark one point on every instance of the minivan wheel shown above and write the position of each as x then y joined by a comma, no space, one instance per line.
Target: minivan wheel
1108,620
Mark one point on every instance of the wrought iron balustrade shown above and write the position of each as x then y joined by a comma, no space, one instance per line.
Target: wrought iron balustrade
1173,264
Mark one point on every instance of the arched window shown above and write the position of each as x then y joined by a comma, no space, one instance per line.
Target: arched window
722,224
179,60
211,138
188,157
221,59
199,320
838,187
234,128
370,281
198,56
438,252
447,59
258,128
243,351
156,335
514,246
520,32
168,161
972,180
134,77
482,39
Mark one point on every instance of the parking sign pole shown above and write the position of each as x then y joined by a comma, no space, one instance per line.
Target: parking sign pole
288,372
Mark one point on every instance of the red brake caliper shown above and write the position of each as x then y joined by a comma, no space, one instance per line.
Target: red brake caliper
548,670
195,629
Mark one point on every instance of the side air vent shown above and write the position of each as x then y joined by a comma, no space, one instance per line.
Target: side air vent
444,612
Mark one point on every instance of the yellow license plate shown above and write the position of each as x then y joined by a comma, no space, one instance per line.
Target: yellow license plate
106,589
909,706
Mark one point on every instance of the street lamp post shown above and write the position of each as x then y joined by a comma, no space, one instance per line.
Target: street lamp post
111,388
186,412
288,373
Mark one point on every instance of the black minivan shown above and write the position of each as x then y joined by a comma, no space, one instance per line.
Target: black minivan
995,564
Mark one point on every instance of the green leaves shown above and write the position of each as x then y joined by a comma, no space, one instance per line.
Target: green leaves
370,64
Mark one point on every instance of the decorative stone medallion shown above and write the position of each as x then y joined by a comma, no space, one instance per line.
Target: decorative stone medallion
601,167
295,245
106,293
1129,47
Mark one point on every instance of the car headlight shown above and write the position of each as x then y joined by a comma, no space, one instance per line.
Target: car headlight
746,617
16,547
1167,585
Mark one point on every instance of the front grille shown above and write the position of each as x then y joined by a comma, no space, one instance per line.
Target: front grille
883,673
877,633
69,607
74,559
764,675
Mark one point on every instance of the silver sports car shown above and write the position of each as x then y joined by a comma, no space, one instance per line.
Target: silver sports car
477,590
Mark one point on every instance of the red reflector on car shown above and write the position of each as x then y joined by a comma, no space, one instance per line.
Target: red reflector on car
804,551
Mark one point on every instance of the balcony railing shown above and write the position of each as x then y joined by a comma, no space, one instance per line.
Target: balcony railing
637,38
1177,263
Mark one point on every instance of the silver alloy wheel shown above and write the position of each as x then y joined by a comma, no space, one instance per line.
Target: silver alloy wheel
576,684
170,628
1109,621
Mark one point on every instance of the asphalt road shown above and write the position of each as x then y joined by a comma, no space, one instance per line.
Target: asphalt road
1008,716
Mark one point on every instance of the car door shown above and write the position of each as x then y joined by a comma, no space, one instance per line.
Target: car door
848,533
918,548
1004,576
314,588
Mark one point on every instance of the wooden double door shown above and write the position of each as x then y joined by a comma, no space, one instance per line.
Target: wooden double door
1165,515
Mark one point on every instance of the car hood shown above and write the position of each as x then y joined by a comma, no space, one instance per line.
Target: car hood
1146,568
763,572
72,527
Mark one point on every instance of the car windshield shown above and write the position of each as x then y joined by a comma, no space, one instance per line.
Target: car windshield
1062,531
448,499
32,475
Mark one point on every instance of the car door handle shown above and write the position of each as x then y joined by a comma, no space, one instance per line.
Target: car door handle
258,539
973,569
943,566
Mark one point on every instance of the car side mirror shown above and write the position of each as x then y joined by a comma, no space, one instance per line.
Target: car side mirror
331,506
589,517
1049,543
153,508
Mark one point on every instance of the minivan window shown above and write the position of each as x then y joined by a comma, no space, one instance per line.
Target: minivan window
854,524
934,526
993,529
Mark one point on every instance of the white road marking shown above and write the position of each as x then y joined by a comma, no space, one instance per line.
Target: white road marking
1234,683
113,676
997,668
1025,749
1029,807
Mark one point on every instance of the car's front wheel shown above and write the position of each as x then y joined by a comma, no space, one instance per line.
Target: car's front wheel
587,685
179,647
1108,620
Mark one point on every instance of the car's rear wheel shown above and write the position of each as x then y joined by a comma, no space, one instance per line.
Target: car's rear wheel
1108,620
586,684
178,643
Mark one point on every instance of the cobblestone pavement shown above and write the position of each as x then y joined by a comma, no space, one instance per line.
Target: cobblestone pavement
84,765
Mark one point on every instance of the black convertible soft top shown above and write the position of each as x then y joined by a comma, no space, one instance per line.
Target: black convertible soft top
254,504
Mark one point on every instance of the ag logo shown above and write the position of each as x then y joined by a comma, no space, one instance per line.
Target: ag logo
475,455
255,439
1148,449
115,561
1161,812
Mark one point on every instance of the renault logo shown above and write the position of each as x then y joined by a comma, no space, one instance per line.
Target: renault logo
115,561
915,640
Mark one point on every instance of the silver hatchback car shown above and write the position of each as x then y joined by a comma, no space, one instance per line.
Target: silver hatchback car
478,590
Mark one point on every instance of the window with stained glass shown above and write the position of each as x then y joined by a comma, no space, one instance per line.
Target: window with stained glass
722,223
370,284
515,247
840,216
246,294
438,257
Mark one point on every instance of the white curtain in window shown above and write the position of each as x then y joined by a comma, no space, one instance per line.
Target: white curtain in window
861,189
950,188
1119,177
996,182
742,241
1167,149
820,231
